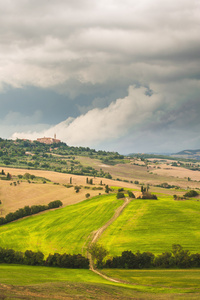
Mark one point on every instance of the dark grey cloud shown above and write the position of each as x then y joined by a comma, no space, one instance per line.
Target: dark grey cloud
75,56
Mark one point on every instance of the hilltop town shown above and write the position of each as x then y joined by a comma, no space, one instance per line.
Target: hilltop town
48,140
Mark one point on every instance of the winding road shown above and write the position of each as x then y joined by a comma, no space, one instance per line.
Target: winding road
97,234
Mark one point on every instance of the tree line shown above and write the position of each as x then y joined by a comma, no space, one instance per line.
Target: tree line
75,261
176,258
28,210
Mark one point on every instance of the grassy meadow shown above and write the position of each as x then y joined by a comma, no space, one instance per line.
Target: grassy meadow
56,283
144,225
64,230
154,225
187,280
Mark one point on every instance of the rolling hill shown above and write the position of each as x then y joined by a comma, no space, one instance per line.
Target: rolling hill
188,154
144,225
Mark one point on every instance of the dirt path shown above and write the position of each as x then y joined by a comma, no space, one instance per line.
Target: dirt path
97,234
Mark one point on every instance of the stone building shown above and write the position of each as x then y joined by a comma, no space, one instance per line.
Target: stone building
48,140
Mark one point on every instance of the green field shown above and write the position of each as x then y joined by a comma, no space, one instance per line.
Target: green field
54,283
144,225
154,225
187,280
64,230
26,275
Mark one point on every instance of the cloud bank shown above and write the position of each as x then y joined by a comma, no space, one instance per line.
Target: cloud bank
88,53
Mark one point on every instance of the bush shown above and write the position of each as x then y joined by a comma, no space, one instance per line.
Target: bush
77,188
191,193
147,195
54,204
120,195
130,194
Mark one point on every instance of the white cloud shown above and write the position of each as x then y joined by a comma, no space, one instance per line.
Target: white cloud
102,125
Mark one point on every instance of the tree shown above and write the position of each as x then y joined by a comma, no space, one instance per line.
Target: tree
107,189
130,194
181,257
77,188
98,253
120,195
8,176
87,195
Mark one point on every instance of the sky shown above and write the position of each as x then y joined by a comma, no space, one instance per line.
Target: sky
113,75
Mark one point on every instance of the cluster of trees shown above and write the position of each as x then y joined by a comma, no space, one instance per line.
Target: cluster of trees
29,210
165,185
177,258
147,195
120,194
3,176
40,156
191,193
76,261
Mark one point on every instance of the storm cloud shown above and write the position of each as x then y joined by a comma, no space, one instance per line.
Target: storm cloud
117,72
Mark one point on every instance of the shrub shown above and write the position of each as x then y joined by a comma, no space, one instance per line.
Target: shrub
147,195
120,195
130,194
191,193
54,204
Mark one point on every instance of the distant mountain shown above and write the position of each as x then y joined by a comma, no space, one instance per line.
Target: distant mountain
191,154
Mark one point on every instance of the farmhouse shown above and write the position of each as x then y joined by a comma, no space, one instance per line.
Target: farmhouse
48,140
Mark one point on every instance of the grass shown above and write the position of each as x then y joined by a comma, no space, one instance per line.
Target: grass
56,283
26,275
187,280
154,225
65,230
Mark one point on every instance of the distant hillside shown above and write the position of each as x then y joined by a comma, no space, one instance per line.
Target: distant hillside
58,157
186,155
191,154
